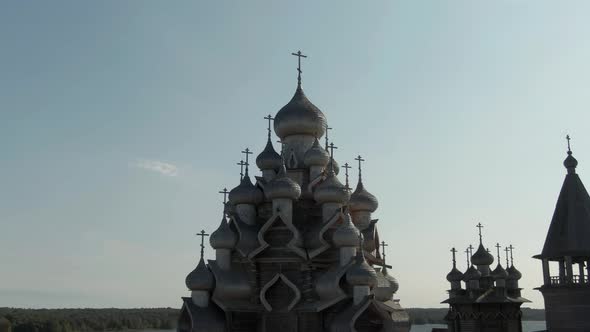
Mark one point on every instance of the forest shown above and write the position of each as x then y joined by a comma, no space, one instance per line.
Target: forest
83,320
90,320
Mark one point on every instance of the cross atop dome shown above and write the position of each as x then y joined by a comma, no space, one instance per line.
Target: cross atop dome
299,55
242,163
202,234
269,118
480,226
224,192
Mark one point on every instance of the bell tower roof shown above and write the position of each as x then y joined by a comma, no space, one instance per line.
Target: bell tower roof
569,230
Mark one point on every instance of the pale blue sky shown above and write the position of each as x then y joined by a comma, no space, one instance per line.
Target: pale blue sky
120,121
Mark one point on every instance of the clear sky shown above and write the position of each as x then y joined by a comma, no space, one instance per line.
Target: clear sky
121,120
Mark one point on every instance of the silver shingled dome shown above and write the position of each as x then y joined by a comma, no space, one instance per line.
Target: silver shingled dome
346,235
223,237
362,200
268,158
282,186
471,274
499,272
299,117
454,275
316,155
245,193
482,257
393,283
361,273
513,273
200,278
331,190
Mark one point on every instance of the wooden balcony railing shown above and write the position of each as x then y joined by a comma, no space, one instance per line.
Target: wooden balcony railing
576,279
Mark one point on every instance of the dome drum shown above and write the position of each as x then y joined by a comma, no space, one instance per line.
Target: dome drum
294,149
246,213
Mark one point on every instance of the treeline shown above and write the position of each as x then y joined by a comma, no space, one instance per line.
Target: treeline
92,320
420,316
89,320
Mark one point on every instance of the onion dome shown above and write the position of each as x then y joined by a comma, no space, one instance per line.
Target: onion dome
268,158
361,273
331,190
316,155
245,193
393,283
454,275
499,272
513,273
482,257
570,162
336,167
362,200
282,186
346,235
223,237
299,117
200,278
471,274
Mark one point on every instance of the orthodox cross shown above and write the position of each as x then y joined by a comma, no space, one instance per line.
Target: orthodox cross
467,254
299,55
498,250
242,164
383,245
202,234
567,137
506,249
511,258
359,159
454,251
247,152
224,192
327,128
332,147
470,252
269,118
480,226
346,167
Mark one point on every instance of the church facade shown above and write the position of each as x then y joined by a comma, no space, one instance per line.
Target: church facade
296,249
491,299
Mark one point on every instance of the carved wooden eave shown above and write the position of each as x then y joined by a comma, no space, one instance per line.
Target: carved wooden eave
328,286
324,245
247,236
230,286
278,278
292,245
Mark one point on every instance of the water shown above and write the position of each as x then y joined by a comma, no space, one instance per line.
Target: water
527,326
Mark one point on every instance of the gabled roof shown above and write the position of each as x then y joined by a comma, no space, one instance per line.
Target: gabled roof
569,232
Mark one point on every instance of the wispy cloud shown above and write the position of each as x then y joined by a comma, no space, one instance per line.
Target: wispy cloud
157,166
